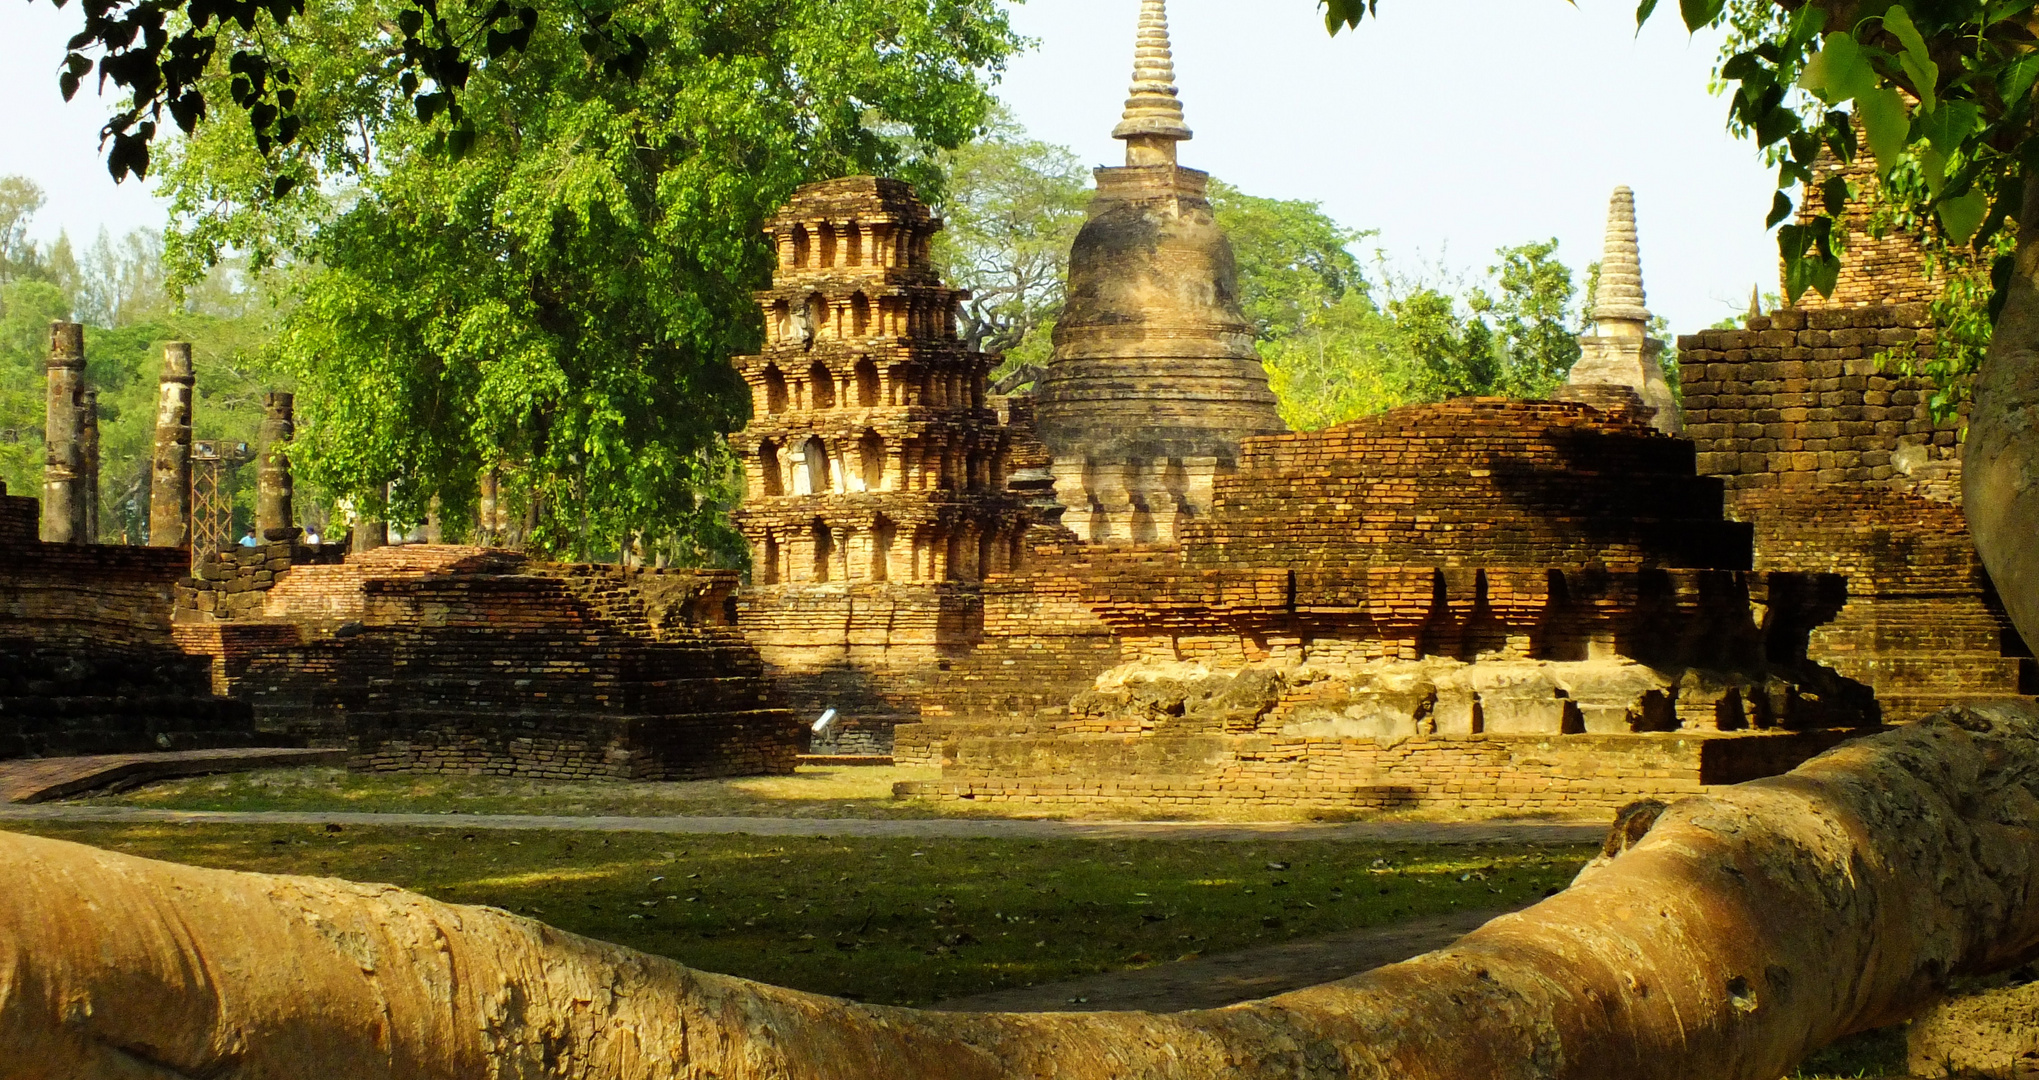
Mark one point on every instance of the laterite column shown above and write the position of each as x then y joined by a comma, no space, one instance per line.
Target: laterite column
170,472
62,509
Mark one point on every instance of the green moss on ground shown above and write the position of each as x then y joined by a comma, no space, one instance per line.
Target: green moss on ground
906,922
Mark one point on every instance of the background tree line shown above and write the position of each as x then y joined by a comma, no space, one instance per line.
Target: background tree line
117,287
541,294
1343,334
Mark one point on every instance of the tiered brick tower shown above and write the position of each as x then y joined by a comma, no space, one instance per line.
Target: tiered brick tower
877,471
1155,379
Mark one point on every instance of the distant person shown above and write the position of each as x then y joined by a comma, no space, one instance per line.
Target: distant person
311,537
248,540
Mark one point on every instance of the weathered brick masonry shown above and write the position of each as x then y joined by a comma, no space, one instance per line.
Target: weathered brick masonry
1492,775
879,472
1842,469
450,659
88,664
1477,606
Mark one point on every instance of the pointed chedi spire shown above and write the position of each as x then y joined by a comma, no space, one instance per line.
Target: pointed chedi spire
1153,123
1620,365
1620,298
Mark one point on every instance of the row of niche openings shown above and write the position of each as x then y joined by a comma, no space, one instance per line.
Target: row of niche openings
850,242
812,471
820,388
815,318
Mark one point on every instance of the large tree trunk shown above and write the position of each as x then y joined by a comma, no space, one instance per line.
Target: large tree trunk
1743,931
2000,465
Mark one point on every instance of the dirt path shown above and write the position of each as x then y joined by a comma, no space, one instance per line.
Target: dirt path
1493,832
1212,982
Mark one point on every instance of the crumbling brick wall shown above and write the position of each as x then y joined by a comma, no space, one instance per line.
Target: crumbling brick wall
1837,461
1493,776
1877,270
1545,571
466,660
88,661
1801,398
235,582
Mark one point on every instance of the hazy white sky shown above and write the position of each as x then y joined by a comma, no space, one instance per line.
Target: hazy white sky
1452,126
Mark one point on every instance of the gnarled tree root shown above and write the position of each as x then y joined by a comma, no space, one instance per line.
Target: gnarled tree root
1744,930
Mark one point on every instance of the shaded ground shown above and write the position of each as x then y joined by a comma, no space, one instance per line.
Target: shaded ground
1210,982
34,780
894,921
811,792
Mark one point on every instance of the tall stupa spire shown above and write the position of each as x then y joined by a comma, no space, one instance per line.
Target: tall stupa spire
1153,123
1621,271
1620,364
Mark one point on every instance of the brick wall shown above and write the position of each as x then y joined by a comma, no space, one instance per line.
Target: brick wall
1877,270
1922,625
1799,398
88,660
871,652
429,658
1472,482
1840,467
1040,646
1496,775
1433,576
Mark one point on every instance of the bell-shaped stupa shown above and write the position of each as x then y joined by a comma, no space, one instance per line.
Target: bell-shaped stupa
1155,379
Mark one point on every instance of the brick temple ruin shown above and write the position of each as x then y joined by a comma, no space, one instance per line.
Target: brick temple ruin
1484,606
1127,585
418,658
878,469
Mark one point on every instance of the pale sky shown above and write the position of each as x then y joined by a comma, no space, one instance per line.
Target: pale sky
1452,126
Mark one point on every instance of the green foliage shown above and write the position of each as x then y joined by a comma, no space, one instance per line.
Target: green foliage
1014,206
1515,335
557,301
1532,320
1346,360
1942,91
1293,258
117,290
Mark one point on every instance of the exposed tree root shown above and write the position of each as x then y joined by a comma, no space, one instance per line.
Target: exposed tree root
1741,932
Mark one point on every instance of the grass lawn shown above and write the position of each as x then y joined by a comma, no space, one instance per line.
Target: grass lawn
887,921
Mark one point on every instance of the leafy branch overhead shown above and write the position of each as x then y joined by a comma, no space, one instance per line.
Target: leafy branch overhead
1944,90
159,53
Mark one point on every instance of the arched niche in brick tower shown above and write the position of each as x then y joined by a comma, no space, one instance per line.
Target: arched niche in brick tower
821,386
870,392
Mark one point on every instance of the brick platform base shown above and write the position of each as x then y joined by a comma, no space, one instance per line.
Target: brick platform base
1498,775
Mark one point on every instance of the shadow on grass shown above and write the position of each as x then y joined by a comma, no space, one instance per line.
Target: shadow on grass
906,922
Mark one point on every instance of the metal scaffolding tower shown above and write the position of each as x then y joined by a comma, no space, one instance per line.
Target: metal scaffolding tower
212,495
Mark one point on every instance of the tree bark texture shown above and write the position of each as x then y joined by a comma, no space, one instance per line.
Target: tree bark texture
1742,931
2000,464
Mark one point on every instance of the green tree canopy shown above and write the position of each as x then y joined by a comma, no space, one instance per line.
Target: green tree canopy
1013,206
557,301
1940,95
116,289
